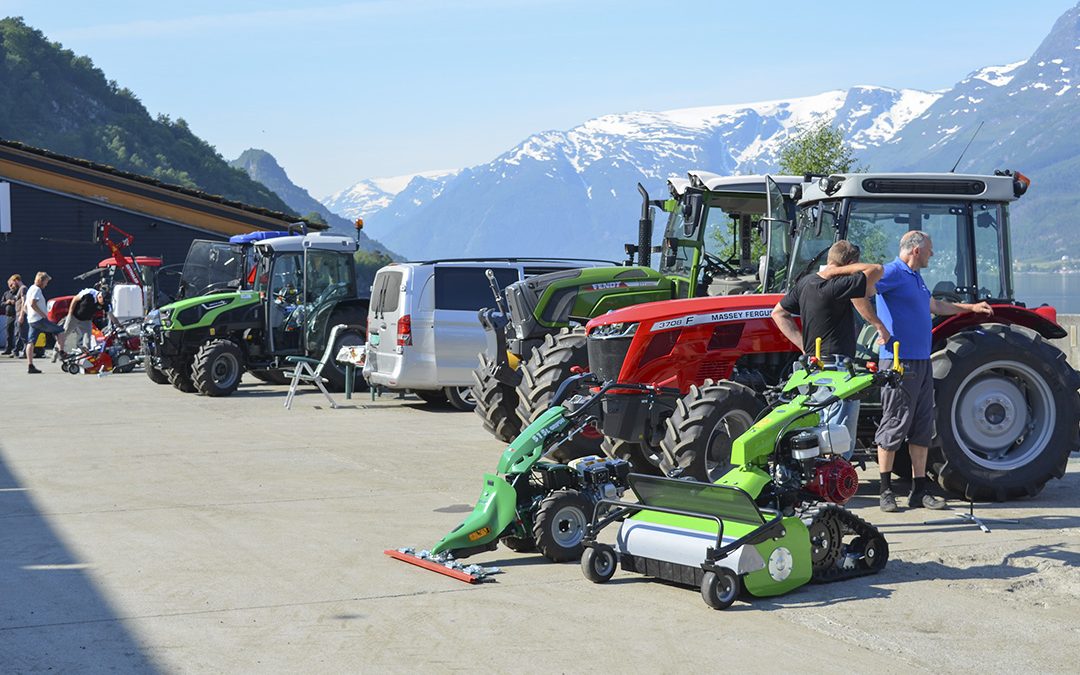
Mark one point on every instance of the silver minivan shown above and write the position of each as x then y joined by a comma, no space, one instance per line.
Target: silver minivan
423,330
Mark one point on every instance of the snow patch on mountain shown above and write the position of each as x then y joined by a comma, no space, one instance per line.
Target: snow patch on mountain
997,76
365,197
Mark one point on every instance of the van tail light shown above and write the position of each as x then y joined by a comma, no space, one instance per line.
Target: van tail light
404,331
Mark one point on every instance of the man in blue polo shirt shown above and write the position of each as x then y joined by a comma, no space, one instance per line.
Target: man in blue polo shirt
905,306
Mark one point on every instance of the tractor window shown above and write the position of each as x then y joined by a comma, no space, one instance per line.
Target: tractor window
877,226
722,234
330,277
989,274
677,261
817,232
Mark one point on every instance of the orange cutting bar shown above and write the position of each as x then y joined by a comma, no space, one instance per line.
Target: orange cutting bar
434,567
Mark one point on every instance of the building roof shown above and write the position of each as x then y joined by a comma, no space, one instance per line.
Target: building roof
82,178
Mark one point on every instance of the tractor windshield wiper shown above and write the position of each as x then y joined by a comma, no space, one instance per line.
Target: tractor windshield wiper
814,261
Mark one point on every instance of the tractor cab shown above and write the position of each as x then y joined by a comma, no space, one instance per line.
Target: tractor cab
213,266
967,218
725,234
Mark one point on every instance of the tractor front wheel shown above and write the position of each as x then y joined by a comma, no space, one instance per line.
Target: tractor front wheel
180,377
1008,413
496,403
548,366
559,528
697,443
217,369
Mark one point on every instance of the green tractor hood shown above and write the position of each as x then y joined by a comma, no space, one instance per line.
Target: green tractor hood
204,310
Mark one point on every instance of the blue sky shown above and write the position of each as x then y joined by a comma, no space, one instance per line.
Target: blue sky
340,91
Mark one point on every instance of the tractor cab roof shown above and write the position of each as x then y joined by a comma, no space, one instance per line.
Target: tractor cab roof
317,241
893,186
252,237
734,194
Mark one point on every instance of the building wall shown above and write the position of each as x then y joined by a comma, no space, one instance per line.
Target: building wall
54,233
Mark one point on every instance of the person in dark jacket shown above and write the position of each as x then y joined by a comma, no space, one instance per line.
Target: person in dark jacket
12,302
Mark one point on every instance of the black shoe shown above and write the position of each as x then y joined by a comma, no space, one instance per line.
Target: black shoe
925,500
888,502
32,370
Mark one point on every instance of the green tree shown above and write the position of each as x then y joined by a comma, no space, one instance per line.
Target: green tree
314,217
367,264
820,148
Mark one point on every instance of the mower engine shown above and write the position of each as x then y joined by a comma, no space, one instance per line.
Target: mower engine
601,477
816,464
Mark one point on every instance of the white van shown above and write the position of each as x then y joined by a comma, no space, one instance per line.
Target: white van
423,330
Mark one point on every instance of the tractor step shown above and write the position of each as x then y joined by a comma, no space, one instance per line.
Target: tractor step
443,564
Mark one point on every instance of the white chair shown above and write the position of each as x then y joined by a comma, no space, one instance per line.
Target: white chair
309,370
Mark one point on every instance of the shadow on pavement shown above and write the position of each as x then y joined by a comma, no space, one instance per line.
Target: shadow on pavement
52,616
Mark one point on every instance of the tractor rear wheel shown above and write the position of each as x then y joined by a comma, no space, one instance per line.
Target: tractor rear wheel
218,367
697,443
642,460
548,366
334,372
496,403
1008,413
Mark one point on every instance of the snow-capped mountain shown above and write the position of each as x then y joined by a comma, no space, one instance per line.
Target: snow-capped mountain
374,194
574,192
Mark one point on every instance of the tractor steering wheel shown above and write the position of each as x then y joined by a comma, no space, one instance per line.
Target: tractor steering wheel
715,266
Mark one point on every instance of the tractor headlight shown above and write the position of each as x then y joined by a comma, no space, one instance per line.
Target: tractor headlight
614,330
165,317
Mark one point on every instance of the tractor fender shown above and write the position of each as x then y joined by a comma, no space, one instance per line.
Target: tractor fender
1042,320
493,513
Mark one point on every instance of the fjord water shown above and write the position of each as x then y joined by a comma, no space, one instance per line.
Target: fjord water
1062,291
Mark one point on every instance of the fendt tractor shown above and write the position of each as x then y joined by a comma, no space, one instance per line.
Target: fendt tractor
710,247
1008,411
300,288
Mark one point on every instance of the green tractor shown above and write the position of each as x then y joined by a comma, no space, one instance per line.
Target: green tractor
724,236
300,287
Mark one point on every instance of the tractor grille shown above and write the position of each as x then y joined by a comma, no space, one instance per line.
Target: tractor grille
606,355
924,186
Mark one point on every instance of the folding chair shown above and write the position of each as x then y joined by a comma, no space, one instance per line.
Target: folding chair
310,370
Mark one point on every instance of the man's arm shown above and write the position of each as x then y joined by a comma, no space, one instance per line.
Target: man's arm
786,323
946,308
872,272
866,310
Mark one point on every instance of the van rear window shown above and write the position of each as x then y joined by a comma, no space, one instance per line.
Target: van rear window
467,288
385,292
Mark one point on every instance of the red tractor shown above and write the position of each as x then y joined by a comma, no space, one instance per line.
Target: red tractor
1008,411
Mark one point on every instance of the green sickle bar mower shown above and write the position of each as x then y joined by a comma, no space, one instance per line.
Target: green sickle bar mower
532,502
769,525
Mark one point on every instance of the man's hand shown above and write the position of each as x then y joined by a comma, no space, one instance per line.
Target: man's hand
883,336
981,308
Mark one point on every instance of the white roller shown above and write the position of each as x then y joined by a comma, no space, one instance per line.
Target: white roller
681,546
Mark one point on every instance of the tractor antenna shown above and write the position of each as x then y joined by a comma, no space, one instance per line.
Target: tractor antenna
953,169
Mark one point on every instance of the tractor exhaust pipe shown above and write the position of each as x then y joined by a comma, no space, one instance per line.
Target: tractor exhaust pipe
645,229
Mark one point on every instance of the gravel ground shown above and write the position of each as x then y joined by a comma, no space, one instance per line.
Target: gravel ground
142,529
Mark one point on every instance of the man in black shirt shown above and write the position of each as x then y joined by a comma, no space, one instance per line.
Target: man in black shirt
826,302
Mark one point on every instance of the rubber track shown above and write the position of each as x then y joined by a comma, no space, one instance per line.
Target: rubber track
850,524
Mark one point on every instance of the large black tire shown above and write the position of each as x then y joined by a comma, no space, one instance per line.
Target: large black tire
548,366
697,442
217,368
333,371
519,544
496,403
559,528
461,398
156,376
271,376
1008,413
180,377
641,460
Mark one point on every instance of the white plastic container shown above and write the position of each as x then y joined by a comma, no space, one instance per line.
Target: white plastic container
127,301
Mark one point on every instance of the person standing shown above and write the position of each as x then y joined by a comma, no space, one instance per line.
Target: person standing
825,301
8,302
905,306
17,325
37,317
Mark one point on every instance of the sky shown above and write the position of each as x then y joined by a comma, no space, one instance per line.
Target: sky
342,91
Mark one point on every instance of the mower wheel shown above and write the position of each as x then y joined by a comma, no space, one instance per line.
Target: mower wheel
460,398
560,525
641,460
123,364
496,403
873,551
548,366
720,588
519,544
598,563
1008,412
218,367
72,368
697,443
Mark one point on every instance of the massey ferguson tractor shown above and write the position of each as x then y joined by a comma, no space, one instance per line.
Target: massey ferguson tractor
712,245
1008,411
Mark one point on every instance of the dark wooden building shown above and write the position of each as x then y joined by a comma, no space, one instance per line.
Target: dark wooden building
49,204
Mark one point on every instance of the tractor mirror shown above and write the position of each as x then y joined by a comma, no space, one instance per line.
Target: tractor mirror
985,220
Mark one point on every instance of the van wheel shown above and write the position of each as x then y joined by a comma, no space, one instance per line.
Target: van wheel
461,398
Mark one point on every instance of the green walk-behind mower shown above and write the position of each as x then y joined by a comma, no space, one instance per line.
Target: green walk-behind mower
533,502
772,523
